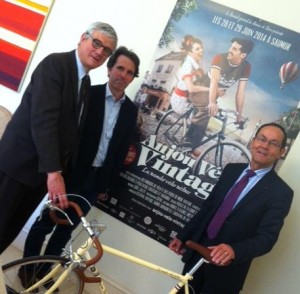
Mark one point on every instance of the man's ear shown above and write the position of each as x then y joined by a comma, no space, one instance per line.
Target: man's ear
244,55
282,153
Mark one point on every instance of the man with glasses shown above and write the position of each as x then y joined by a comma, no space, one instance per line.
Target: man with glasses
97,44
109,127
40,141
251,226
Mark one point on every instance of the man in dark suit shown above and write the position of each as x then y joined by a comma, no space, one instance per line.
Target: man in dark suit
39,141
252,227
109,127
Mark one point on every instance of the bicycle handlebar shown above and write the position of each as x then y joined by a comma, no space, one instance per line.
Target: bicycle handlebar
203,251
62,221
86,225
240,125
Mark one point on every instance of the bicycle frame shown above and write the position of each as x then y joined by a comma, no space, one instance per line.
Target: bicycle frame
76,262
183,279
220,135
83,251
50,275
80,260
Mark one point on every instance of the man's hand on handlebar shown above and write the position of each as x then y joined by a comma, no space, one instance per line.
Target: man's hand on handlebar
176,246
221,254
240,121
57,190
212,109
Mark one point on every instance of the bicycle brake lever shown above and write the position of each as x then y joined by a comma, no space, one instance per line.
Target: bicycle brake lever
47,204
100,227
64,213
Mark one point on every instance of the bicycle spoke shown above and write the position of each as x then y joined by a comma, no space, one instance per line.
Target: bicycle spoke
171,129
221,154
27,273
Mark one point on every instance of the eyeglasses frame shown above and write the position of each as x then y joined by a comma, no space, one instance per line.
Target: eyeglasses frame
271,143
97,44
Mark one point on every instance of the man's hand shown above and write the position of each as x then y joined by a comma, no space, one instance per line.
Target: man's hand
239,118
57,190
212,109
222,254
102,196
176,246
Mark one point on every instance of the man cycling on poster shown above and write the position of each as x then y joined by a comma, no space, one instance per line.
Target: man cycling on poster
226,69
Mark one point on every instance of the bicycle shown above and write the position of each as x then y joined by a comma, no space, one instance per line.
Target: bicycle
67,272
172,129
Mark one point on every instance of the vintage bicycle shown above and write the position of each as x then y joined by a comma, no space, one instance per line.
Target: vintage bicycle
69,273
218,148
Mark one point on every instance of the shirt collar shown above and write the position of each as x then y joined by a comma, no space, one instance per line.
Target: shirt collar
108,94
260,172
194,63
80,67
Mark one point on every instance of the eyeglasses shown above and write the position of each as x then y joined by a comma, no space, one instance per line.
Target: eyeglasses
97,44
272,144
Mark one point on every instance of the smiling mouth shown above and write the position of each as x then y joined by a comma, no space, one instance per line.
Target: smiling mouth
261,153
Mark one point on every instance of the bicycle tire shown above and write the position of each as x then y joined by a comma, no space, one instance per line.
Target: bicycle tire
171,128
73,284
220,154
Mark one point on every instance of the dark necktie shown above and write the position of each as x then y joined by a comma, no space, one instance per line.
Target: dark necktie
227,205
82,97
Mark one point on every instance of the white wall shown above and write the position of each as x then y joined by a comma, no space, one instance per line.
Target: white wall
139,24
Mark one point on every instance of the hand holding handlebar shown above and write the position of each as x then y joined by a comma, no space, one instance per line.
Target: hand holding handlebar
203,251
53,208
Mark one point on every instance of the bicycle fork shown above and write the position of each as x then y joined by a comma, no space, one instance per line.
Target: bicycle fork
187,277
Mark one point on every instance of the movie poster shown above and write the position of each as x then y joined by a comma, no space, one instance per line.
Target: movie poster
169,171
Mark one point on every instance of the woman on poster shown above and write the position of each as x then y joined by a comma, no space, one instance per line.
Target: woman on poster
190,72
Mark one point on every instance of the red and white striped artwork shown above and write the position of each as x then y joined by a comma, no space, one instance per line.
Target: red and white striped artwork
21,24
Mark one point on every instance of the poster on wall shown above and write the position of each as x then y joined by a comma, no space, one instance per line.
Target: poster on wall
181,151
21,25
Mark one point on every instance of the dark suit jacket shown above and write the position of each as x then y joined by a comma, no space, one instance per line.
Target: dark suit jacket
42,132
91,135
251,229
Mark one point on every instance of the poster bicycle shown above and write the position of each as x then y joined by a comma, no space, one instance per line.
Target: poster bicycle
160,189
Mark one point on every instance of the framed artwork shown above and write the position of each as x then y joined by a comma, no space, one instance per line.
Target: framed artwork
21,25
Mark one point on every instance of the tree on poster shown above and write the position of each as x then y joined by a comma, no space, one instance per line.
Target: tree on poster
163,183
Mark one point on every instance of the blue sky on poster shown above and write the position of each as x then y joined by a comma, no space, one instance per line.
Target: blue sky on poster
264,98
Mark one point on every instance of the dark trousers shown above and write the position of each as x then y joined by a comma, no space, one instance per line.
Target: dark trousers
17,203
61,234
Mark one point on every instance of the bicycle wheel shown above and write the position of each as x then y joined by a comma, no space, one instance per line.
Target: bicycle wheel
172,128
219,154
32,272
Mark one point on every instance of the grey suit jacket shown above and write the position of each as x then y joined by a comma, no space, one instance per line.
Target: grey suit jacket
251,229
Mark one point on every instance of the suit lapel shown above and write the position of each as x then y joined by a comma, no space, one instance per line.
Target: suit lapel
122,117
229,180
100,109
74,80
257,191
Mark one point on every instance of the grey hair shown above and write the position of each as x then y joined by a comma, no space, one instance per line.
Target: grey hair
105,29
